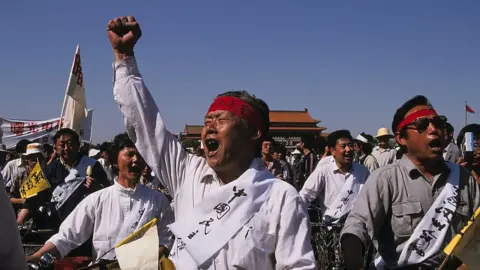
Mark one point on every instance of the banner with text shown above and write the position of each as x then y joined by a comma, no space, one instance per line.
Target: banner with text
14,130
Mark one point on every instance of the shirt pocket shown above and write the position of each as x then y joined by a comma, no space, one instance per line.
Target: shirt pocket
405,216
252,245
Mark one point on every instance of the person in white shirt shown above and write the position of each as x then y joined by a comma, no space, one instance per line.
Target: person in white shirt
231,213
451,153
384,153
11,250
14,169
113,213
337,180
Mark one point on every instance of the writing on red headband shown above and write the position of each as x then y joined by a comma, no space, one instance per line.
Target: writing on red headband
240,108
412,117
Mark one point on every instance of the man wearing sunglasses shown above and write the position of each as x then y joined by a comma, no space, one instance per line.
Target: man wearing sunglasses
413,207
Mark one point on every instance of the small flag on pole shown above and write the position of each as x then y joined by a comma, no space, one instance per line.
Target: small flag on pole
469,109
35,183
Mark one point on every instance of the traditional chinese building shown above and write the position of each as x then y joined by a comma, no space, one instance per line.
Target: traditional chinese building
286,127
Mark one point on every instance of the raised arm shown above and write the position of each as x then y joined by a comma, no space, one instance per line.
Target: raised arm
160,149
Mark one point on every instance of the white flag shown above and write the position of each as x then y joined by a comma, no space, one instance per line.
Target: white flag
76,107
140,254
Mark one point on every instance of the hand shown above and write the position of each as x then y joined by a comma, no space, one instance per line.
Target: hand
123,34
461,162
88,181
32,258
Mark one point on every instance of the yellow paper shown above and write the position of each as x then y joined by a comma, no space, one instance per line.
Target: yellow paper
138,233
140,254
35,183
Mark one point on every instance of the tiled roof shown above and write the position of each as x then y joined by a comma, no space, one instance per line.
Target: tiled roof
297,128
292,117
192,129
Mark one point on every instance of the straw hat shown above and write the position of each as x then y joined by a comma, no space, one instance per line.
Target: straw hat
383,132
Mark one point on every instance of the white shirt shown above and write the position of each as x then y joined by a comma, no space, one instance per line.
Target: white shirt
326,182
384,156
11,250
154,183
13,170
370,162
282,220
112,214
451,153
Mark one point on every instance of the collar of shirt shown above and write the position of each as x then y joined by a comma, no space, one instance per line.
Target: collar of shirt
382,150
414,173
335,169
210,174
123,190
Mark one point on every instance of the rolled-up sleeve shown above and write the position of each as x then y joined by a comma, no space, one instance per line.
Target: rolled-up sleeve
371,208
76,228
160,149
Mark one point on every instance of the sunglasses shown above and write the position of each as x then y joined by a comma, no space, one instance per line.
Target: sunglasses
422,124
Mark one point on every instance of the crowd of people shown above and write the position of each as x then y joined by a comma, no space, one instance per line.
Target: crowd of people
242,202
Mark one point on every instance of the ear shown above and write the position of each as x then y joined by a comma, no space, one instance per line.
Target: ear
332,150
400,140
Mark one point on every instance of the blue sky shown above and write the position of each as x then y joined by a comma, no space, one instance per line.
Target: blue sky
351,63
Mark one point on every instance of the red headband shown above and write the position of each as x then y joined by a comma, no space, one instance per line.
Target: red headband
240,108
412,117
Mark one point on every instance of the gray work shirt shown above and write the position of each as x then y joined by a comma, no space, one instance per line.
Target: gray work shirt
394,200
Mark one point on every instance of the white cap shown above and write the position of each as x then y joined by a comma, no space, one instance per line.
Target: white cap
93,152
34,148
296,152
361,138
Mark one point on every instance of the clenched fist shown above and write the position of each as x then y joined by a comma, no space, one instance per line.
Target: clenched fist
123,33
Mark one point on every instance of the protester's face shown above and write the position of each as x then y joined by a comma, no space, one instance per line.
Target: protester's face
67,147
276,155
266,148
226,140
130,164
343,151
147,172
32,159
383,141
425,136
357,147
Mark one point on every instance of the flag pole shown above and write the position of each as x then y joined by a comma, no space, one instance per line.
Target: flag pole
68,86
465,112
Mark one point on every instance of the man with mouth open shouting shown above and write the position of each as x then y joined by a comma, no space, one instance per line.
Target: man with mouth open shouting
412,208
230,212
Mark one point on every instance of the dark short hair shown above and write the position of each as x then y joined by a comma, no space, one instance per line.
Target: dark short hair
474,128
66,131
280,148
407,106
308,141
105,147
260,106
336,135
21,146
120,142
449,128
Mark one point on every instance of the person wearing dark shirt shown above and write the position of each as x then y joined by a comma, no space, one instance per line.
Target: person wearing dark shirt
308,162
67,167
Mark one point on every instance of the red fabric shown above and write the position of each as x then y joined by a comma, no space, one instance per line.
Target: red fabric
468,109
412,117
240,108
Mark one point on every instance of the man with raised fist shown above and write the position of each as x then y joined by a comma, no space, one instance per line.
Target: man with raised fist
230,211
